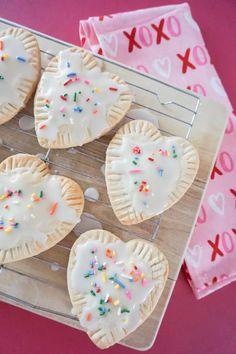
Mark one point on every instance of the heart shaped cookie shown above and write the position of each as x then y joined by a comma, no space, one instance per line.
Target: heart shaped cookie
147,173
114,286
19,70
76,102
37,209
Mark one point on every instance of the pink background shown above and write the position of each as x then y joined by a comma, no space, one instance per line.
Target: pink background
190,326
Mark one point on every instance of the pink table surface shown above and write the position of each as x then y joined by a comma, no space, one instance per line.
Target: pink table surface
190,326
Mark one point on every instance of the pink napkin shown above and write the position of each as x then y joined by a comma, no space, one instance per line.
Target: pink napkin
166,42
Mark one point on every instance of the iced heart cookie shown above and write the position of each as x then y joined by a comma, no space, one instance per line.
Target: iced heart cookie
114,286
147,173
37,209
76,102
19,70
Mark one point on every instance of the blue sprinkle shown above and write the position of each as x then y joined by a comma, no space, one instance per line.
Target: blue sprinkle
71,75
68,65
21,59
161,171
119,283
78,109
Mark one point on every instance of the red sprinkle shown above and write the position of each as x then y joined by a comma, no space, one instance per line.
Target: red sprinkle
68,82
1,45
113,89
136,150
63,97
88,99
42,126
150,159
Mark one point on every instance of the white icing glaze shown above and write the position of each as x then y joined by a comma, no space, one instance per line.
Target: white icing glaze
120,266
91,194
72,151
26,122
88,222
55,267
13,70
33,217
102,169
161,175
65,114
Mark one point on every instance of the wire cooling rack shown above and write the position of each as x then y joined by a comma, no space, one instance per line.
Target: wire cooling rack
39,283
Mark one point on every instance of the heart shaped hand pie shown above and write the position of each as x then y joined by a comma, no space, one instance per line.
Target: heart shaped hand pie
76,102
37,209
147,173
114,286
19,70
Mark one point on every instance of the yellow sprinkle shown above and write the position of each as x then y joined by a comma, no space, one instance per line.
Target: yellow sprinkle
116,302
8,229
142,275
10,219
125,320
6,56
117,286
104,277
114,253
2,197
29,206
97,89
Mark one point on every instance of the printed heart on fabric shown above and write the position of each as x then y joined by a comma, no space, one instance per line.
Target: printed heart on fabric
217,203
194,255
109,42
114,286
162,66
19,70
37,209
76,102
146,173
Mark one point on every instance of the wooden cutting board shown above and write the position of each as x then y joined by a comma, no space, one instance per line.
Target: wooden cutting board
39,284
